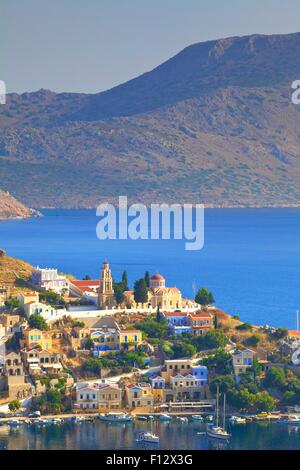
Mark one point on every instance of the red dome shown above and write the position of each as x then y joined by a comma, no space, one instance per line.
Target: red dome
158,277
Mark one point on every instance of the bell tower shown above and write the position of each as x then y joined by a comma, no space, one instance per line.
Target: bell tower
106,291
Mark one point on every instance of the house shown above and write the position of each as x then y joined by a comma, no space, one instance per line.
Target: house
139,396
200,323
242,361
130,338
10,322
178,322
187,387
27,297
33,337
106,341
77,336
12,380
41,360
158,385
103,396
49,279
174,367
46,311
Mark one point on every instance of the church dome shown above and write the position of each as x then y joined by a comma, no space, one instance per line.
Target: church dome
157,277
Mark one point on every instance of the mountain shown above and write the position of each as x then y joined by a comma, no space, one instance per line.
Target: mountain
11,208
215,124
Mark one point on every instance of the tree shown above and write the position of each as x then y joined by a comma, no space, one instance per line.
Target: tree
204,297
87,277
159,316
124,281
280,333
37,321
14,405
252,340
183,349
89,344
140,291
12,303
263,401
79,323
244,326
275,378
224,382
211,340
147,278
119,293
154,329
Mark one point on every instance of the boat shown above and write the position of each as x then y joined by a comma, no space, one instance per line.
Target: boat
216,431
150,417
142,418
183,419
237,420
115,417
147,437
291,419
14,423
209,418
165,417
197,418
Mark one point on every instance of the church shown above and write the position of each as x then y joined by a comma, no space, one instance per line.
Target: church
158,294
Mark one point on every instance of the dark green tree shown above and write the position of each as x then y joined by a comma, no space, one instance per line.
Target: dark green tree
140,291
37,321
147,278
204,297
119,293
124,280
87,277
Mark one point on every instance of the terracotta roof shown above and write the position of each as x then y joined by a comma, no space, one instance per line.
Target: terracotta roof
157,277
175,314
85,283
130,331
294,333
200,315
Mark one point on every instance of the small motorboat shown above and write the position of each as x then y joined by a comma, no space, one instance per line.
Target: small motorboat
116,417
14,423
182,419
237,420
142,418
291,419
197,418
165,417
209,418
150,417
147,437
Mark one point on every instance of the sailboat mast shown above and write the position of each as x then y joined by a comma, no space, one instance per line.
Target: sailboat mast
224,415
217,419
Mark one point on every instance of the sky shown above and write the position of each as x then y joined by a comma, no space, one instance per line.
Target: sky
92,45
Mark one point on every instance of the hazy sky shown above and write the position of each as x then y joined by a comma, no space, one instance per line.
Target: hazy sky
92,45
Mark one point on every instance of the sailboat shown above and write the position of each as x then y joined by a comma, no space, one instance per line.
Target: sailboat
218,432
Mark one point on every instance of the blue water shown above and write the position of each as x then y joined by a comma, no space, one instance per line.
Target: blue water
250,260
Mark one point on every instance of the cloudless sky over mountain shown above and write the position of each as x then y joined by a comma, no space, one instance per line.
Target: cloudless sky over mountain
92,45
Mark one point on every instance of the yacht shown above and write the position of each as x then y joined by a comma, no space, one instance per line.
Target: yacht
116,417
147,437
216,431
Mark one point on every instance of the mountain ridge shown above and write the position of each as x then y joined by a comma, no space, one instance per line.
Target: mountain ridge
214,124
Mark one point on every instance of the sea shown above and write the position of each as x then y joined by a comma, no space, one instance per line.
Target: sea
175,435
250,259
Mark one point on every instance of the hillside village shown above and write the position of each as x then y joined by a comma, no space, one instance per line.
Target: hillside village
90,345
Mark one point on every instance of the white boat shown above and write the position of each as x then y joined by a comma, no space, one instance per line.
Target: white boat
237,420
165,417
291,419
209,418
147,437
216,431
197,418
142,418
115,417
183,419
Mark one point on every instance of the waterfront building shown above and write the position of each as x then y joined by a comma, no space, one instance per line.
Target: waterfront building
173,367
12,378
139,396
102,396
106,297
50,279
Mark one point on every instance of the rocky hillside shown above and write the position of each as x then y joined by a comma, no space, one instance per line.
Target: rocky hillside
11,208
12,269
215,124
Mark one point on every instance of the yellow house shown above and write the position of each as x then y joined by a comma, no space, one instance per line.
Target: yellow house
130,338
28,297
34,337
242,360
139,396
